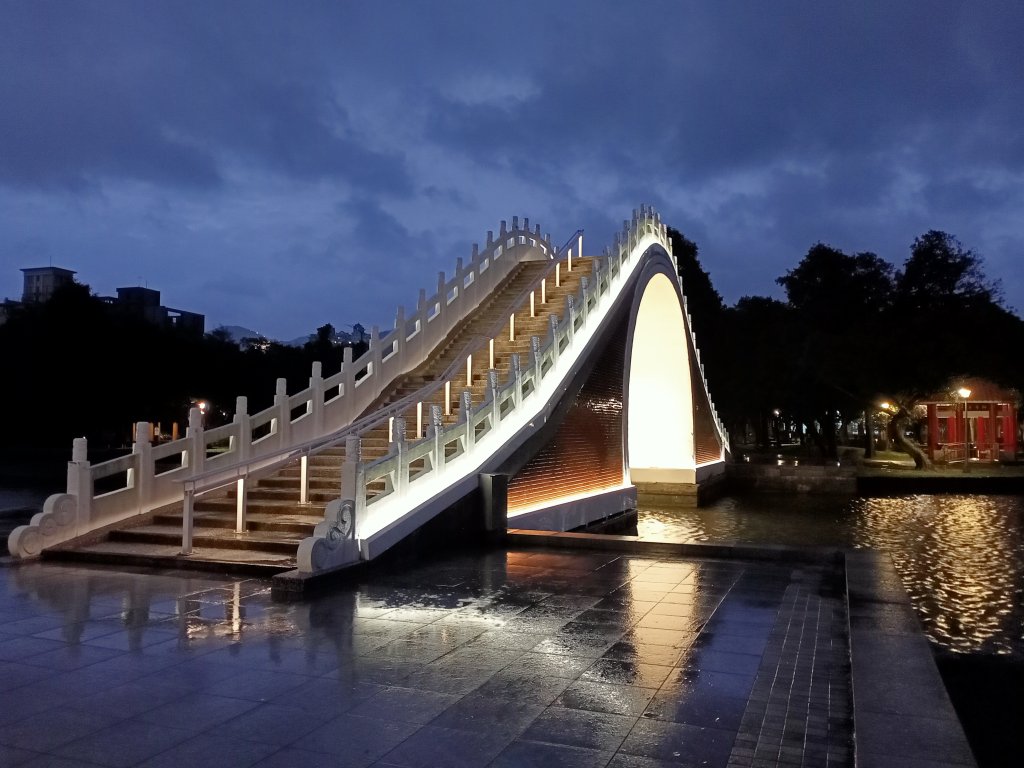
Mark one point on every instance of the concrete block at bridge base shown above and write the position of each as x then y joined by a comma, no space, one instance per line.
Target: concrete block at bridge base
576,513
682,494
494,499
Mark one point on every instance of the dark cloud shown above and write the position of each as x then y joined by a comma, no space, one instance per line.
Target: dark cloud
303,147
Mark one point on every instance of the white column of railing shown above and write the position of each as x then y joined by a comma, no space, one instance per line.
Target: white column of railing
283,416
140,476
197,442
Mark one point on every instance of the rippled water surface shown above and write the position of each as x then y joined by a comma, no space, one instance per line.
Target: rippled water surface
961,557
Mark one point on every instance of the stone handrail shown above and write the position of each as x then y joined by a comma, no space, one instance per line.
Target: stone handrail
353,522
325,406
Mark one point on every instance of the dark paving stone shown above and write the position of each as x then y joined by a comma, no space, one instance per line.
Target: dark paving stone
699,708
43,731
433,746
539,755
123,745
273,724
328,695
699,657
354,741
659,655
511,686
580,728
197,711
553,665
906,736
678,742
405,705
606,697
12,756
257,685
479,712
212,749
686,680
627,672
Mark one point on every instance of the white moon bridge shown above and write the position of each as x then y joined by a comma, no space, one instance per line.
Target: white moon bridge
536,388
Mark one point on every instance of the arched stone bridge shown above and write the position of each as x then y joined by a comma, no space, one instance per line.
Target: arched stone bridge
554,382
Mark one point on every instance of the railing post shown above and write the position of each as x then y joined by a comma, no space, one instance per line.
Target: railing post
348,385
398,439
284,415
316,403
492,387
304,479
442,303
400,337
188,507
584,297
570,315
143,470
535,349
376,356
516,370
243,428
80,483
350,481
467,416
553,323
241,493
436,428
197,445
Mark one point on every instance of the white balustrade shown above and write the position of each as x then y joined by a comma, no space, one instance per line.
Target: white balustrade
292,420
307,421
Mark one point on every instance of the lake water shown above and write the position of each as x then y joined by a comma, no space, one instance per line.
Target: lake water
961,558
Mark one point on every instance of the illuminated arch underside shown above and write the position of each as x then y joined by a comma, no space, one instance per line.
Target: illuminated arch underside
659,399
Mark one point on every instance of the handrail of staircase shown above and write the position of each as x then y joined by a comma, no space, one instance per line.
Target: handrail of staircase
230,473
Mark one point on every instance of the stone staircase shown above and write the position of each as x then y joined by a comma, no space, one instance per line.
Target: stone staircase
276,521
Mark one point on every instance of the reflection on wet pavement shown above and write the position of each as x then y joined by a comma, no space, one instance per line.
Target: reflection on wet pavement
496,659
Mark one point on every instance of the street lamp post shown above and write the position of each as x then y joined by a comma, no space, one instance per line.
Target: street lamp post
965,393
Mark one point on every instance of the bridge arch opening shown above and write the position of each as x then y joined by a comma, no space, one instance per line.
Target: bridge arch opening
659,391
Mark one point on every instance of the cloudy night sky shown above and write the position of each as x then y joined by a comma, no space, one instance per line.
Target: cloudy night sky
283,165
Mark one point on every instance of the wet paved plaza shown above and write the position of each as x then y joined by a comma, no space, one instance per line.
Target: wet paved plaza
517,658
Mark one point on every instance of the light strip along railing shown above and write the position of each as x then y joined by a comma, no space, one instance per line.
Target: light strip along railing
150,476
445,444
241,472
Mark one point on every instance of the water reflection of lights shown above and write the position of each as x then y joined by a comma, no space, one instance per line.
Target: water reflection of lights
961,558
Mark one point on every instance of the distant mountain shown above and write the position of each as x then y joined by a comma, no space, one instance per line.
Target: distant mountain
238,332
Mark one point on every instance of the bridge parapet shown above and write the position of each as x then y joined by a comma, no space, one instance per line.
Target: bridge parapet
392,495
152,476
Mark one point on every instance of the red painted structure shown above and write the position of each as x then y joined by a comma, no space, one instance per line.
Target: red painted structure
983,426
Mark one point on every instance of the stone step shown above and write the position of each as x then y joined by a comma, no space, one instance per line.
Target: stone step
255,521
208,558
262,541
316,495
226,505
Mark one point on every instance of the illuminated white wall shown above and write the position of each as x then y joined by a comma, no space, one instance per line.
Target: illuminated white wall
659,420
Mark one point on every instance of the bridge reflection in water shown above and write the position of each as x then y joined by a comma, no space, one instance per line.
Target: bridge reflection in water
961,558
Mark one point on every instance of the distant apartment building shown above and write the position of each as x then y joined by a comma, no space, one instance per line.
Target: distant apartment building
41,282
144,303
